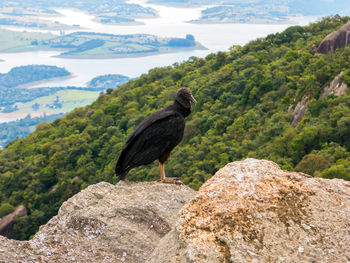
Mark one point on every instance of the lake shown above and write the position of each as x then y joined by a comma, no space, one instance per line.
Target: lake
171,22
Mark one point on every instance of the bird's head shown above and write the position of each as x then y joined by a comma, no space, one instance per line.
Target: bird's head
184,97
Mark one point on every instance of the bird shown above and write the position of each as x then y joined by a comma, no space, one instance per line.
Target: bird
156,136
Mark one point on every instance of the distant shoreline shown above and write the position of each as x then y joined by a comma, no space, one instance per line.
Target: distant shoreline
198,46
268,22
23,115
34,83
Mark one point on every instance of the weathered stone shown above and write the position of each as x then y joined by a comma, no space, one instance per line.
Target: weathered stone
104,223
336,87
335,40
252,211
249,211
7,222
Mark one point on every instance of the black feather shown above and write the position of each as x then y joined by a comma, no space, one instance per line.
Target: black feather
156,136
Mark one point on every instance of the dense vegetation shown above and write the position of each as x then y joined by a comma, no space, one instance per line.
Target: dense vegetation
21,128
8,97
244,106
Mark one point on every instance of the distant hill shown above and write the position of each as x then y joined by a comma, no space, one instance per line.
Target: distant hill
246,102
26,74
110,81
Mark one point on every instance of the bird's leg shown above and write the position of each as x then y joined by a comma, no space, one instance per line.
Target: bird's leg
162,173
169,180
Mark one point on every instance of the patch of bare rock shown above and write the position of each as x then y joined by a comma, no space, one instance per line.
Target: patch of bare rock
249,211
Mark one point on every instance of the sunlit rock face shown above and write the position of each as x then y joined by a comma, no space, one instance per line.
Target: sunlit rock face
252,211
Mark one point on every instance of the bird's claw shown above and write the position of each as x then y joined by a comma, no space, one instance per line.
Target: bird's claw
171,180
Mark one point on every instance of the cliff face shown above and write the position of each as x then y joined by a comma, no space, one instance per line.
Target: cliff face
335,40
250,211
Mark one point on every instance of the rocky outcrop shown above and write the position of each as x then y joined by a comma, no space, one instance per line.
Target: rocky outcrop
300,110
7,222
336,87
252,211
335,40
104,223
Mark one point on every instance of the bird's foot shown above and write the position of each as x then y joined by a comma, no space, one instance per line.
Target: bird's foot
171,180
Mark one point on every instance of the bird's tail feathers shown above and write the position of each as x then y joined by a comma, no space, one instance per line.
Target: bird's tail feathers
121,173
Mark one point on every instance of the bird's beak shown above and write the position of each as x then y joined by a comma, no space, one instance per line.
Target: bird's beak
193,100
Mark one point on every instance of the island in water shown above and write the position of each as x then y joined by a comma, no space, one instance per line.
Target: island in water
95,45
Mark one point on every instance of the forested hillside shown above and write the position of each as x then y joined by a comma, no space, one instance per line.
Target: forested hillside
245,105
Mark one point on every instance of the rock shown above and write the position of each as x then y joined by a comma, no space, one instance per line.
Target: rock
336,87
249,211
300,110
104,223
7,222
335,40
252,211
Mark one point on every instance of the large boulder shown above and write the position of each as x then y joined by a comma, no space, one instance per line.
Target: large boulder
252,211
335,40
104,223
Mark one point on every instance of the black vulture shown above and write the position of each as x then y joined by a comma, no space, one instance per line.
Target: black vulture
155,137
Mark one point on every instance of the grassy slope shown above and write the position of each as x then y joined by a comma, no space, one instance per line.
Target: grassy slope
244,96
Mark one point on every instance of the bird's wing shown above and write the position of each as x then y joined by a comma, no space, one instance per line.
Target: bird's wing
157,116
